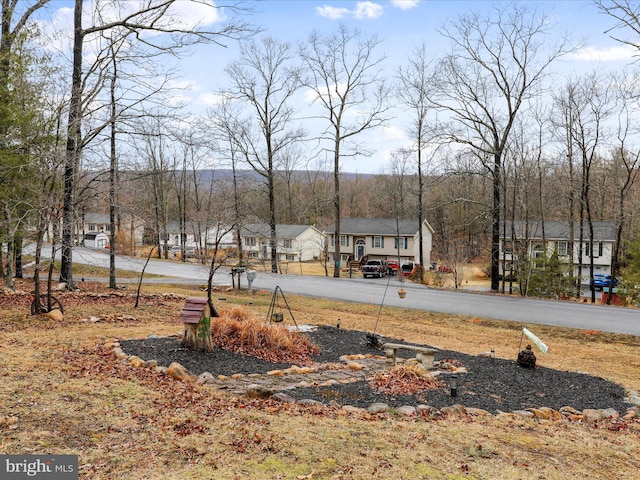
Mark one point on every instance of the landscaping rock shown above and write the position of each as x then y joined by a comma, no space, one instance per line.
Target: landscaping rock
425,409
352,409
523,413
137,362
477,412
180,373
457,410
378,408
407,410
206,377
258,391
56,315
283,398
309,401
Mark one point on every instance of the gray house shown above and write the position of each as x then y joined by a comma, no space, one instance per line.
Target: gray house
530,240
380,238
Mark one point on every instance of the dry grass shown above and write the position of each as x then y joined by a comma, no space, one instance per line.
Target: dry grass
237,330
61,394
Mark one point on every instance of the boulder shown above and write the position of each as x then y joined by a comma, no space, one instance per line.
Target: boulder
55,314
258,391
180,373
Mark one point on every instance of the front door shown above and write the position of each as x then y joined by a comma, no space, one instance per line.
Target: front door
360,249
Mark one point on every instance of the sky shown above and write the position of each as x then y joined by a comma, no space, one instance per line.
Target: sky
400,25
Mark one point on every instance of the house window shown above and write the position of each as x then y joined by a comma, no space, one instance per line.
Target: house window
562,248
377,242
287,243
403,241
92,227
344,240
507,247
597,253
254,254
250,241
538,251
290,257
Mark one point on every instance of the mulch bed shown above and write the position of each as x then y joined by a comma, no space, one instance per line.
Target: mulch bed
493,385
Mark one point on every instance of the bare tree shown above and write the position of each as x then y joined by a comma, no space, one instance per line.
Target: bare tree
627,16
345,77
591,106
415,84
226,121
266,78
169,35
496,65
626,164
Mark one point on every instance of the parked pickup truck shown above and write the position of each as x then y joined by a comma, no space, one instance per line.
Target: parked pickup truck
375,268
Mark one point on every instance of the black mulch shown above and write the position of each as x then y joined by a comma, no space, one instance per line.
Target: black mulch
493,385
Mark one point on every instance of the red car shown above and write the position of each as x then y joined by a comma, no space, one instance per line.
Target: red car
408,268
445,269
393,267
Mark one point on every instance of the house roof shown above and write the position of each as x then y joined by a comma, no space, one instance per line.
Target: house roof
99,218
282,231
376,226
104,218
559,230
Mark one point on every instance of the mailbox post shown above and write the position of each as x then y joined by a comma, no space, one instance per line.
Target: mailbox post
251,276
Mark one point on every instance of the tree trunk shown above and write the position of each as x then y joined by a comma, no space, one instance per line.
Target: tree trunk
336,204
72,152
495,223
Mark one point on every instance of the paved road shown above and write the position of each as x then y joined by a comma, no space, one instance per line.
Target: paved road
377,291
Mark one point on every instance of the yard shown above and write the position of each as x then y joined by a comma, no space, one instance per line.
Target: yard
64,392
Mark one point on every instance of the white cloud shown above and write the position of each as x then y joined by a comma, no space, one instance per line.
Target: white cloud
332,12
390,133
368,10
405,4
611,54
210,99
190,14
363,10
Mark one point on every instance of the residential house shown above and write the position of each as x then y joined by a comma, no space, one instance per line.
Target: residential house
530,241
380,238
294,242
97,240
172,235
93,223
223,235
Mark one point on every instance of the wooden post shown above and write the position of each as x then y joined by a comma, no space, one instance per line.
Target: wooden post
196,317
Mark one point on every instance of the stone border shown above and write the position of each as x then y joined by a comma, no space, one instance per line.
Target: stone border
261,386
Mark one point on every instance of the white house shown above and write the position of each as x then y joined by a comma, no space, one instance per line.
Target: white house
132,226
530,241
380,238
96,240
294,242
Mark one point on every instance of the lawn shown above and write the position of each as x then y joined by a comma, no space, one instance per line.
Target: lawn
62,391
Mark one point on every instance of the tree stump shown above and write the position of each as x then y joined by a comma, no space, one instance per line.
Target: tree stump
196,317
